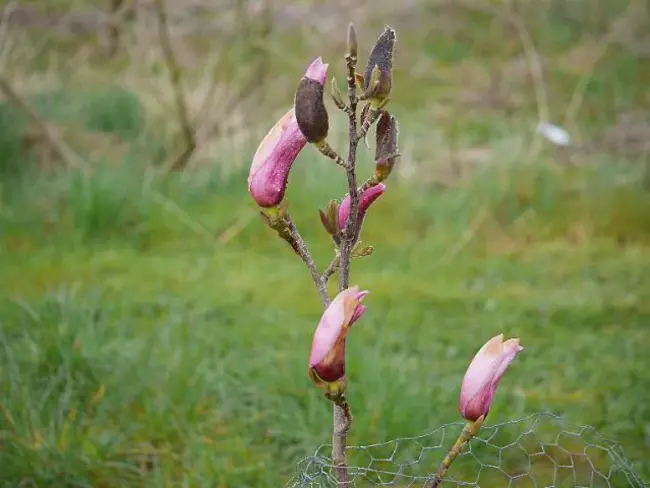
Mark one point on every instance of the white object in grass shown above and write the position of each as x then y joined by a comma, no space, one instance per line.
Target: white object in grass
554,133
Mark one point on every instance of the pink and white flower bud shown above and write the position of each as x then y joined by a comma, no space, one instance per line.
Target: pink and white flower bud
365,199
327,357
269,172
483,376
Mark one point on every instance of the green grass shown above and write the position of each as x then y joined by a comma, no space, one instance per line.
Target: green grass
140,352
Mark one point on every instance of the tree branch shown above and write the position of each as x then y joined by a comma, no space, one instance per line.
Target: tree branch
300,247
342,419
331,269
58,145
348,233
175,76
119,11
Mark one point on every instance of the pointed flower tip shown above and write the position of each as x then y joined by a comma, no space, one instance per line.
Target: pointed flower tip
317,70
363,294
377,189
361,309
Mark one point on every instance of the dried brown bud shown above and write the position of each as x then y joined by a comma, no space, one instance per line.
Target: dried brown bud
311,113
386,152
381,57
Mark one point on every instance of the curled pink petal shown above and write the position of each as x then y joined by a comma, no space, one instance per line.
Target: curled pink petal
269,172
328,346
317,70
483,375
365,200
361,309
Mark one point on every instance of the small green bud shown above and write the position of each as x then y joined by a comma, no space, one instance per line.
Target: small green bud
352,41
336,94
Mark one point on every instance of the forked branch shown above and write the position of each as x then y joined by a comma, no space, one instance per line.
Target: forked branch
175,78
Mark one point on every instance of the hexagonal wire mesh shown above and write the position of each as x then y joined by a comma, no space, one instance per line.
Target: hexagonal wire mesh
541,450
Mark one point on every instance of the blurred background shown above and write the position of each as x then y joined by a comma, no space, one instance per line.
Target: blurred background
154,332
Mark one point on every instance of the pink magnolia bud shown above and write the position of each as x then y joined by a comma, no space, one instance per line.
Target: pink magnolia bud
269,173
327,358
365,199
483,376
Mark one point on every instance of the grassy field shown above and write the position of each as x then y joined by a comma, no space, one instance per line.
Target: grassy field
153,332
138,351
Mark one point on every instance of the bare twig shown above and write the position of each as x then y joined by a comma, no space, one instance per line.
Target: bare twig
5,40
469,431
349,231
331,269
298,244
537,75
249,85
236,228
175,76
328,151
342,424
58,145
173,208
119,11
617,27
532,57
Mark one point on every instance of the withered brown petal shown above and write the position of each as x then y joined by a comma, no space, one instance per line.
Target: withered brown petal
332,215
382,56
386,145
386,136
324,221
311,113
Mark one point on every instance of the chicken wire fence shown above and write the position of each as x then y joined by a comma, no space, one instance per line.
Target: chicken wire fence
540,451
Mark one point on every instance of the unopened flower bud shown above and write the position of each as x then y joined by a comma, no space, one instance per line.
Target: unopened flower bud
386,151
269,172
483,376
329,218
352,41
378,85
311,113
327,359
365,200
336,94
